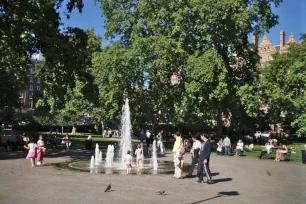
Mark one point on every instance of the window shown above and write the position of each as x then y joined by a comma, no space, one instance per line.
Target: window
37,88
30,95
31,88
38,80
20,95
31,79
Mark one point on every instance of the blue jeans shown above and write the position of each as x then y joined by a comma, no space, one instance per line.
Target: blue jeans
227,150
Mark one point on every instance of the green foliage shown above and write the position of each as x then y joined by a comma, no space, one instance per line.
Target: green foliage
33,26
200,39
283,84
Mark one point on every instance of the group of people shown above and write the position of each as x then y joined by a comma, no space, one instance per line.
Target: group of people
139,159
224,145
200,154
111,133
280,152
36,151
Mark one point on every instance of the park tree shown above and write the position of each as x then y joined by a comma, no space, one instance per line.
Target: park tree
205,41
282,86
34,26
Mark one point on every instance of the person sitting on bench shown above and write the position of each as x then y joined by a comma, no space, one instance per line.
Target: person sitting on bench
239,147
266,150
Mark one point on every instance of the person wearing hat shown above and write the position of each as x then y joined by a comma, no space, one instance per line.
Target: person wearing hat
204,158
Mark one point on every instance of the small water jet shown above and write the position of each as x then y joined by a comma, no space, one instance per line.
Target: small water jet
100,157
154,157
109,156
92,162
97,154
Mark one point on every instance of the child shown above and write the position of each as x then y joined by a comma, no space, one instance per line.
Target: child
139,157
40,150
67,141
128,162
292,150
32,151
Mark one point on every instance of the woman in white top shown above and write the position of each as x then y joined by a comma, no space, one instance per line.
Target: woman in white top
239,147
32,151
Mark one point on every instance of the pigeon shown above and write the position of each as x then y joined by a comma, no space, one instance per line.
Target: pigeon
268,173
108,187
161,192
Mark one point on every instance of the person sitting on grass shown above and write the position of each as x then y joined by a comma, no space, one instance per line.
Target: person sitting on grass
281,152
293,150
239,147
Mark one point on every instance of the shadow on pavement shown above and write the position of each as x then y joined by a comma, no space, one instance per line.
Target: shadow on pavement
222,180
220,194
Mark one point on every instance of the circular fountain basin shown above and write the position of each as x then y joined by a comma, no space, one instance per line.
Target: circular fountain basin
164,167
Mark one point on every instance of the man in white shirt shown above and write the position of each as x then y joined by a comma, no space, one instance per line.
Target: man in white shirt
194,153
148,138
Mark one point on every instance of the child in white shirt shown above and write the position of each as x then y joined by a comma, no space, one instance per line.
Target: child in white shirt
32,151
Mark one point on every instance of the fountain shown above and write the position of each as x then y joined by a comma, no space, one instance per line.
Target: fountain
154,157
114,161
109,156
100,157
97,154
126,127
92,162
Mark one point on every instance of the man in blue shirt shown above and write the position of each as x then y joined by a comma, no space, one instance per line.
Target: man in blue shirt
204,158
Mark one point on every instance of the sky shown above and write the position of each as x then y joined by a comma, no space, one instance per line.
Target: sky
292,19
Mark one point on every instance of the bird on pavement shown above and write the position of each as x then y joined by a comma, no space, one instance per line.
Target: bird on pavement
108,187
161,192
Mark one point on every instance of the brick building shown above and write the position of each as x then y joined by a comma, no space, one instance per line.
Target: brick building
266,49
34,87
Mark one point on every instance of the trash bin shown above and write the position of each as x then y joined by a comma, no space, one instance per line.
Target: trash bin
303,156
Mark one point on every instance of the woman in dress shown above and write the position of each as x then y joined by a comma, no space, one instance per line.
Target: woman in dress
280,153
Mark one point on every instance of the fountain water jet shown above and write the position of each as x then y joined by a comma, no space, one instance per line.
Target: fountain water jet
109,156
154,157
97,154
100,157
92,162
126,127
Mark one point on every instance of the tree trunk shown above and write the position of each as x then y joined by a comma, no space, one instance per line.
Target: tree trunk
100,127
219,121
62,131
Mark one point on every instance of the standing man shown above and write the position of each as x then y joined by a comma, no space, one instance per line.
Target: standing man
148,138
204,160
141,136
177,156
195,151
159,138
227,145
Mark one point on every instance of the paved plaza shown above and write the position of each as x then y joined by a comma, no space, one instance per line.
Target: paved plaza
237,180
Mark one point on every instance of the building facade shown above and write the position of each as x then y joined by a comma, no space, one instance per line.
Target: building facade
266,49
34,86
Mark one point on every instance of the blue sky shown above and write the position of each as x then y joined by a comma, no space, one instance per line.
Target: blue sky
292,19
